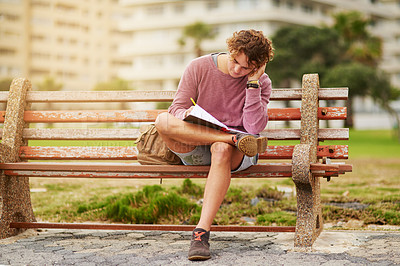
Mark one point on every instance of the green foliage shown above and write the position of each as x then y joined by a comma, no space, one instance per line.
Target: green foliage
374,144
277,218
198,32
382,214
302,50
358,77
269,193
236,194
116,84
343,55
360,45
49,84
190,188
5,84
151,205
163,105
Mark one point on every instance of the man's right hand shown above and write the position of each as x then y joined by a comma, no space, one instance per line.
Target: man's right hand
187,112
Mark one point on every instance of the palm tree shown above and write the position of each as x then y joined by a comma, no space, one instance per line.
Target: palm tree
361,45
198,32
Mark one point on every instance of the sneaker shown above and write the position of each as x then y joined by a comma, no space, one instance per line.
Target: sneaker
250,145
199,246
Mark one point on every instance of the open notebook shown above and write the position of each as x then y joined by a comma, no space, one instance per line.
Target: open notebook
200,116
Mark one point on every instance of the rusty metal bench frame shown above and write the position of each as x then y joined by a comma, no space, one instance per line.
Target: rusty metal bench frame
17,161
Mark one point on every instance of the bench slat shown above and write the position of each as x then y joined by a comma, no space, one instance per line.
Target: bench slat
158,96
294,134
130,170
130,152
274,114
132,134
149,227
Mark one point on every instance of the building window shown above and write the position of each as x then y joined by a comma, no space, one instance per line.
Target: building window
276,3
290,4
179,8
212,5
307,8
41,56
38,38
6,51
9,17
247,4
155,10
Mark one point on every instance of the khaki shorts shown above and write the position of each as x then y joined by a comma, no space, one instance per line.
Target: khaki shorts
201,155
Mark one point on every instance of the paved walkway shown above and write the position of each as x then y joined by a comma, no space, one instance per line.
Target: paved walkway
78,247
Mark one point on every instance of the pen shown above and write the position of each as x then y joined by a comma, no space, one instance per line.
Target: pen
194,103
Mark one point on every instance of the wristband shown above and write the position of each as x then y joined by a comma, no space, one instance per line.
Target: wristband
253,84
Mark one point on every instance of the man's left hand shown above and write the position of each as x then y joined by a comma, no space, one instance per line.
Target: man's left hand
257,74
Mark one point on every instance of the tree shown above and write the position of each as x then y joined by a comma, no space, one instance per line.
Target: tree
302,49
49,84
383,93
115,84
363,80
356,76
5,84
308,49
361,46
198,32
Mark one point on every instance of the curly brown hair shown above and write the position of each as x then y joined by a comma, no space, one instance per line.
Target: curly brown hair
253,44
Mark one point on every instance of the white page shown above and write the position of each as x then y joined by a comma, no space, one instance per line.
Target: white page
200,116
199,112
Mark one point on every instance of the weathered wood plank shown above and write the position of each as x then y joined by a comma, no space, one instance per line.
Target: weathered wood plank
91,116
158,96
132,134
3,96
274,114
125,170
81,134
149,227
130,153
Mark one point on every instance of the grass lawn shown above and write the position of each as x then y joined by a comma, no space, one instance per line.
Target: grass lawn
373,144
373,186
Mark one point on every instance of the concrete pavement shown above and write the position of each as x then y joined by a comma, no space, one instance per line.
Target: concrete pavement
83,247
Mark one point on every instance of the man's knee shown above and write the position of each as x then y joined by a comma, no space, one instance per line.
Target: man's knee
162,122
221,151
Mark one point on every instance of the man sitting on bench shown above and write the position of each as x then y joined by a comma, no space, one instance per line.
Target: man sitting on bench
234,89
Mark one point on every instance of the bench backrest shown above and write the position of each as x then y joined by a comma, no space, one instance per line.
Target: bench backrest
105,132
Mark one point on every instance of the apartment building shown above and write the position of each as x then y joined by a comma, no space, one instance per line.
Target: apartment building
72,41
155,26
81,43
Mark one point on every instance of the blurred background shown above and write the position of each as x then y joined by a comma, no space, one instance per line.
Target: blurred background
145,45
75,45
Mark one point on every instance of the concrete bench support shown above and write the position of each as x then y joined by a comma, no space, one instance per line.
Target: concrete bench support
309,219
15,200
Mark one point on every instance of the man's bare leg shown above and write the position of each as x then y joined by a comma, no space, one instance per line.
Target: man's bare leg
224,158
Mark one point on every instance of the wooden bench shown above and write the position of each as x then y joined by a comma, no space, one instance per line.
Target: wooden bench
305,162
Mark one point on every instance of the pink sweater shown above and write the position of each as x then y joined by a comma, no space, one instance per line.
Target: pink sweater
224,97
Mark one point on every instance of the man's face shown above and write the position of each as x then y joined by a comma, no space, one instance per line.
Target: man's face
238,66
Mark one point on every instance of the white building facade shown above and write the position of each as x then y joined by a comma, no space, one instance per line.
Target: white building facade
155,26
71,41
